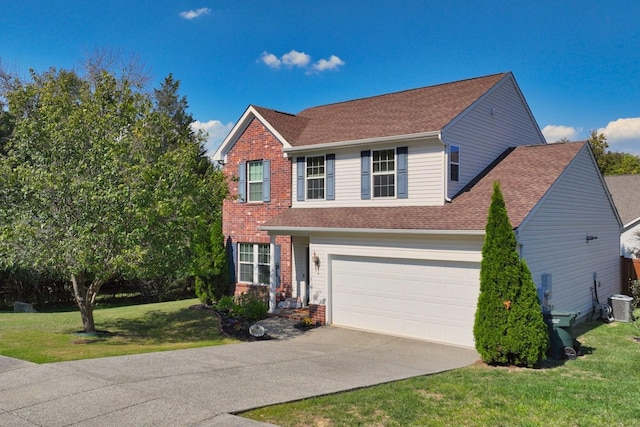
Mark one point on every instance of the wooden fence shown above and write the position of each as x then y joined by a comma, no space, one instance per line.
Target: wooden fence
628,272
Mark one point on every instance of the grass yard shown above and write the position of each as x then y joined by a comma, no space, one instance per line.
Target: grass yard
600,388
53,337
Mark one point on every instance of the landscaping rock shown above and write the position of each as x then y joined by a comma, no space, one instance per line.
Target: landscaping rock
23,307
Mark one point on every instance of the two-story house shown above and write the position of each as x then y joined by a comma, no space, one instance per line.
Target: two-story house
374,209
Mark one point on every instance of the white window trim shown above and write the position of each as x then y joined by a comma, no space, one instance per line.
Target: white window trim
249,182
256,264
307,178
452,163
395,174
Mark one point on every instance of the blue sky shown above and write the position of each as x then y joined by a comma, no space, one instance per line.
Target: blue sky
577,62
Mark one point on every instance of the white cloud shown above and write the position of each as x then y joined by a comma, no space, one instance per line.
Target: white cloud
622,130
193,14
270,59
301,60
555,133
216,132
296,59
331,64
623,135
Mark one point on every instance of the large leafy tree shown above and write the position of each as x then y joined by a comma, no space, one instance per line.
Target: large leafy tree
611,162
91,189
509,327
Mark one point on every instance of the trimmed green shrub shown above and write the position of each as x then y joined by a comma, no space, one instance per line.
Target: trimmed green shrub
251,306
212,271
508,316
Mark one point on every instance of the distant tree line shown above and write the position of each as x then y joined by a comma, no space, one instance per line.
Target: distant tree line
611,162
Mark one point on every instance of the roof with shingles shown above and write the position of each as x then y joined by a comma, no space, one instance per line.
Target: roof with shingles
426,109
625,192
525,173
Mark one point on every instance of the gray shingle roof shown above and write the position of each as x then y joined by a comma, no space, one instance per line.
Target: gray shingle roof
526,173
625,192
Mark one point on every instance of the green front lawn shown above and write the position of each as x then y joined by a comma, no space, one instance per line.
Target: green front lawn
53,337
600,388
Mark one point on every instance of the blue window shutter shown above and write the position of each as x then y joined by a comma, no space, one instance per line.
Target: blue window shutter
403,183
266,180
300,166
242,182
232,251
277,256
365,175
331,177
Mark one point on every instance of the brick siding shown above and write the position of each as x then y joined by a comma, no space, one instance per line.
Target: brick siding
240,221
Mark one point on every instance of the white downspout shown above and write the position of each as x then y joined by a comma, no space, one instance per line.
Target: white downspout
272,275
446,168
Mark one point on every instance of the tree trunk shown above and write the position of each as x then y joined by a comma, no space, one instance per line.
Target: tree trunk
85,298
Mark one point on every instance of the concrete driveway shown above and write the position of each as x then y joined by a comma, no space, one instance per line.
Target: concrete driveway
204,386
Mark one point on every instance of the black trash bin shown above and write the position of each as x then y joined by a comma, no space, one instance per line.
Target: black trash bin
563,344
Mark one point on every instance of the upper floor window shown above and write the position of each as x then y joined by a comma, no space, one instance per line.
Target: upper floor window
315,177
454,163
384,173
254,181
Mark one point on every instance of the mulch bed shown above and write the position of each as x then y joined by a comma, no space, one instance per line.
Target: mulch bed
232,327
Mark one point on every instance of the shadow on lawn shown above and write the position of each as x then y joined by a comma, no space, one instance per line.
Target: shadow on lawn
160,327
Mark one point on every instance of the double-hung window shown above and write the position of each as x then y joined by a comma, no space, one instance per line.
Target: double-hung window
384,173
255,181
454,163
254,263
315,176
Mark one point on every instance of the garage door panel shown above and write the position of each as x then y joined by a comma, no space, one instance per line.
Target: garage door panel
418,299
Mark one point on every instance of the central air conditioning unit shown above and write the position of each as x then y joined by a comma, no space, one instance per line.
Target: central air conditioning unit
622,307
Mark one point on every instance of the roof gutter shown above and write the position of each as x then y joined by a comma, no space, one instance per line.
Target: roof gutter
276,230
359,142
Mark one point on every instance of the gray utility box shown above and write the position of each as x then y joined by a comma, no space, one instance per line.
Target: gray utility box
622,307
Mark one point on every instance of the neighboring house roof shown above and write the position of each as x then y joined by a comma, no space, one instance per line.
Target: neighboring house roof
526,173
625,192
410,112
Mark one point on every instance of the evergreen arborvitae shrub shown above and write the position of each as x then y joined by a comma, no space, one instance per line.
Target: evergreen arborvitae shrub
212,281
506,291
527,334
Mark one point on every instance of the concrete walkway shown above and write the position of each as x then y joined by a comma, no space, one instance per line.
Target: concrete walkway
205,386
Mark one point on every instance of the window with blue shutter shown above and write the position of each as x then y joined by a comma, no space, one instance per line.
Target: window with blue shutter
331,177
365,175
266,180
242,182
300,169
403,183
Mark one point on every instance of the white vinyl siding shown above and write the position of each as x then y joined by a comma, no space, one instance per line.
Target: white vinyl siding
425,171
630,241
554,241
498,121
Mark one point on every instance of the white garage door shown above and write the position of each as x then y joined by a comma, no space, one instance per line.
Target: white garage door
430,300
